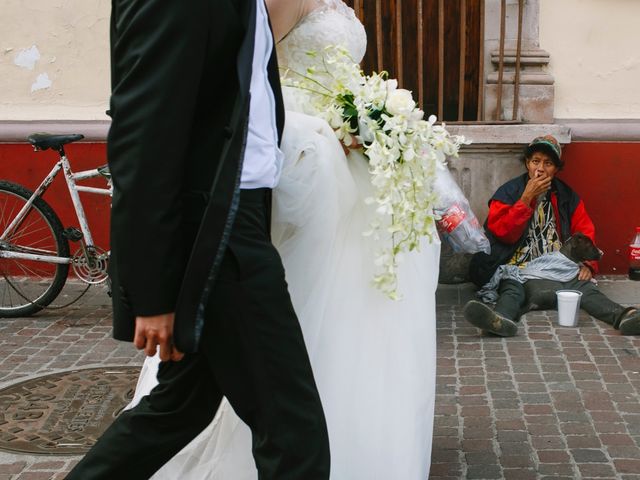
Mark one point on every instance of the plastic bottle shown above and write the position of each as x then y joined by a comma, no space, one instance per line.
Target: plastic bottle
457,222
634,256
462,230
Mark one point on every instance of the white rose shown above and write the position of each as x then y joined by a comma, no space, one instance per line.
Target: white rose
400,102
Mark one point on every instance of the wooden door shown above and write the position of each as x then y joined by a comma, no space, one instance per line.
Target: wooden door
419,43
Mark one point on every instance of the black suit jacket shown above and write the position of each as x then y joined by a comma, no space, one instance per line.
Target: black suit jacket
180,103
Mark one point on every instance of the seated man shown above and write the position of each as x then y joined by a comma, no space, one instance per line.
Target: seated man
529,216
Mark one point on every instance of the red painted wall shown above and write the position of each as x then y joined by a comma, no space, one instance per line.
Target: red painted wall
607,177
20,164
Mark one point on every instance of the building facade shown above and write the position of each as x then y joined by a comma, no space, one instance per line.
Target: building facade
577,64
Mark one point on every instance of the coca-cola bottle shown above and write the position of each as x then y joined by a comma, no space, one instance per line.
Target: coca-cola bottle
634,256
460,227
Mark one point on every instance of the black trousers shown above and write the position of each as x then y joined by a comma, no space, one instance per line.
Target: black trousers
516,298
252,352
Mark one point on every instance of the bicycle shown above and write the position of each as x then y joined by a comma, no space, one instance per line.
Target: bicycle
35,252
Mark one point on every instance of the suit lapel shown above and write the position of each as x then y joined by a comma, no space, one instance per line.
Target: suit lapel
217,221
245,55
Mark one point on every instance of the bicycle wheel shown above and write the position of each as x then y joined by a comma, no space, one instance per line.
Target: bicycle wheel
27,286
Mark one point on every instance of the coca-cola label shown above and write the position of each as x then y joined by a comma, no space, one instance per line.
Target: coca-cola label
634,253
451,218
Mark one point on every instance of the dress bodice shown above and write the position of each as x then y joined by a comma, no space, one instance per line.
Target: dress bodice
331,23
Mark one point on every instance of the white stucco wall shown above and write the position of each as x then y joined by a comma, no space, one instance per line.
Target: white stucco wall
70,80
594,46
595,56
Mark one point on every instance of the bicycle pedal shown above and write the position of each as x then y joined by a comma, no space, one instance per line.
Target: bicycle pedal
73,234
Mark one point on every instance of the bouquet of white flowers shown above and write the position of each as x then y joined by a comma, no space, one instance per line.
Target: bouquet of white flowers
402,149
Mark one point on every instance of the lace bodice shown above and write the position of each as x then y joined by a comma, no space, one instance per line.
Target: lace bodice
331,23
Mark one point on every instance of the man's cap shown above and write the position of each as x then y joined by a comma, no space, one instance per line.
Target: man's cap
547,144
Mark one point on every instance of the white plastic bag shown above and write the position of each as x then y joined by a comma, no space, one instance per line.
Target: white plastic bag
457,223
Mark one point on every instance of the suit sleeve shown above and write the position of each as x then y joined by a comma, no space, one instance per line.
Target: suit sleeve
508,222
158,50
581,222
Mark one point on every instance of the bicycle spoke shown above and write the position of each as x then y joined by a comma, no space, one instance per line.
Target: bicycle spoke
23,231
5,218
32,219
8,292
41,245
28,291
33,248
29,272
27,286
14,211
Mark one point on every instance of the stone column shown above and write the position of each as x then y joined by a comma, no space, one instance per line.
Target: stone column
536,85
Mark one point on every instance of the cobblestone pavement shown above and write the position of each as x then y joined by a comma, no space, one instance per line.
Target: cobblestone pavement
550,403
54,341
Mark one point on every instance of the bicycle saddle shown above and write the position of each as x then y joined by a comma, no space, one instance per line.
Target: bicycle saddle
43,141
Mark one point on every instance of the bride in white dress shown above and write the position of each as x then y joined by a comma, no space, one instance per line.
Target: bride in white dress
373,358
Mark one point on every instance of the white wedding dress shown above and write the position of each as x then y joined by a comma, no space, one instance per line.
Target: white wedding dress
373,358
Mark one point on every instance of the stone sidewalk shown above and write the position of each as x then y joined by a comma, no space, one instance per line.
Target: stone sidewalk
550,403
78,336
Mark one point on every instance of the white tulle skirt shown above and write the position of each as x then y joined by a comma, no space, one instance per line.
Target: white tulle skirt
373,358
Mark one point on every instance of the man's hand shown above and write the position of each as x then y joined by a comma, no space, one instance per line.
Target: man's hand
535,186
157,331
585,273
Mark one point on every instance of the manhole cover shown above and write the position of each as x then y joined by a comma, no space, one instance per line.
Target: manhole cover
63,413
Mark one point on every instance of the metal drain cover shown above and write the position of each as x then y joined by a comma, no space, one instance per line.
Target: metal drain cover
63,413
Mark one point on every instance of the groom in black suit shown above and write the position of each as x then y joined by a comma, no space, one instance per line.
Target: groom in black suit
197,114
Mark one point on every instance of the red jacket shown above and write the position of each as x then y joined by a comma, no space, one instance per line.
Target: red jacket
509,222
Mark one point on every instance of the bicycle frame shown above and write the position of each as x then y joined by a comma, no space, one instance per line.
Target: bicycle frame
74,189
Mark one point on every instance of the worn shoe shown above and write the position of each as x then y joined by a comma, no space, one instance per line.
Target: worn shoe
480,315
630,323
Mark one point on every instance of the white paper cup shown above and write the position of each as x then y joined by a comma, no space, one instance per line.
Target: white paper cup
568,307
